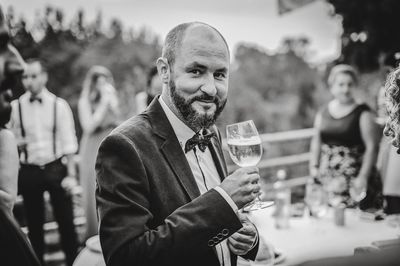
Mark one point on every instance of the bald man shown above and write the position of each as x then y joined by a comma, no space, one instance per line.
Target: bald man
164,196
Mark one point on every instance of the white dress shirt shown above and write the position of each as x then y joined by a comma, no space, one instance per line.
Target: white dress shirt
203,163
38,121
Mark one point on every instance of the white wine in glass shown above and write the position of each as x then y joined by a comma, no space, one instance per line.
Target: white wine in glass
245,149
245,152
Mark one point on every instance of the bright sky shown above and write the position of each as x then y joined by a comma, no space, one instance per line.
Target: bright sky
250,21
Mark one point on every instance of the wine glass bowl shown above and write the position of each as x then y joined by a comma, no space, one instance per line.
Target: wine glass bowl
244,143
245,149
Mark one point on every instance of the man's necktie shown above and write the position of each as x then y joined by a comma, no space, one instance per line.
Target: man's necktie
201,139
34,98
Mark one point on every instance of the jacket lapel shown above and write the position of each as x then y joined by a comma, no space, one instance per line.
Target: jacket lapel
217,153
171,149
218,157
174,155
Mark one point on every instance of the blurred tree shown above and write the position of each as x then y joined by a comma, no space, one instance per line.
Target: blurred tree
280,86
369,31
116,30
277,90
23,40
77,26
69,49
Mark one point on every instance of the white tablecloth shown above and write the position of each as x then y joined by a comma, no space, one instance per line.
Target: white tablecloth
309,238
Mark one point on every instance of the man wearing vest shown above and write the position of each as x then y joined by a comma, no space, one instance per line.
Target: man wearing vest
44,127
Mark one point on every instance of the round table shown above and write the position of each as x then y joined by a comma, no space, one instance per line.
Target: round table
308,238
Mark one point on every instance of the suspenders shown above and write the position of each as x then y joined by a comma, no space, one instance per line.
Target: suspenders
55,127
24,150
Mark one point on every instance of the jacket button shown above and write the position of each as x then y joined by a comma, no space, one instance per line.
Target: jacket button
220,237
225,232
216,240
211,243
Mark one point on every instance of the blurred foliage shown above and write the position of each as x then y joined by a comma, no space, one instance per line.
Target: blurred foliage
369,31
68,50
278,91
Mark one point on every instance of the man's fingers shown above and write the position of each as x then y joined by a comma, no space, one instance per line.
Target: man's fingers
253,178
235,249
247,230
251,170
244,239
240,244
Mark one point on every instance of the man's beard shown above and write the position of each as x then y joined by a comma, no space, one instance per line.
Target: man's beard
195,120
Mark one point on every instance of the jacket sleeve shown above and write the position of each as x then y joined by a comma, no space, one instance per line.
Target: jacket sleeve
125,213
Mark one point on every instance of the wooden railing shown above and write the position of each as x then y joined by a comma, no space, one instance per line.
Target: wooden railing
267,139
283,161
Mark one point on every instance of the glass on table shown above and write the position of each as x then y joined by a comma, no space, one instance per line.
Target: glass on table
315,198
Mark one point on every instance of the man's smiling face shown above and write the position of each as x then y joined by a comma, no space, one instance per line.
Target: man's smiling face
199,76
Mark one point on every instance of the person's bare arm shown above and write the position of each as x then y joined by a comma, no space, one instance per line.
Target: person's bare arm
369,134
9,164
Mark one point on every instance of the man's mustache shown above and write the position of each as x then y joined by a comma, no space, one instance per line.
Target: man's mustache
206,98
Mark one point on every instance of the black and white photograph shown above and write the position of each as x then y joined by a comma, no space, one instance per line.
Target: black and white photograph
199,133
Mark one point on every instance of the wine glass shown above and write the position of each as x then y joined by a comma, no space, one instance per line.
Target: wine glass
245,150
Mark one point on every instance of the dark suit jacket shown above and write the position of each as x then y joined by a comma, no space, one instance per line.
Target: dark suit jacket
150,208
14,246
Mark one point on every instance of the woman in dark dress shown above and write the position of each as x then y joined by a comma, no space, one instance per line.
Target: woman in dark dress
345,148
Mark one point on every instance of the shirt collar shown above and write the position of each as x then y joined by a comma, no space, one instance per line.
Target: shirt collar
182,131
43,93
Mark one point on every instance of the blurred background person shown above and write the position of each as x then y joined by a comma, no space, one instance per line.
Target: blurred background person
11,65
14,247
144,98
44,127
345,147
392,130
98,114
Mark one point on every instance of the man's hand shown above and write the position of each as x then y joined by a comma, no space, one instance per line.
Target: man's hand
243,240
69,183
6,201
359,188
242,185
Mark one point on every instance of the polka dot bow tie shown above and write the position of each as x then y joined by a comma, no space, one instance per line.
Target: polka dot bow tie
201,139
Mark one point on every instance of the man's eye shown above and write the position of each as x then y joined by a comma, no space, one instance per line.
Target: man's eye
219,75
195,71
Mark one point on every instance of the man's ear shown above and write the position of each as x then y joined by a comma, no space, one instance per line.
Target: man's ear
163,69
45,78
